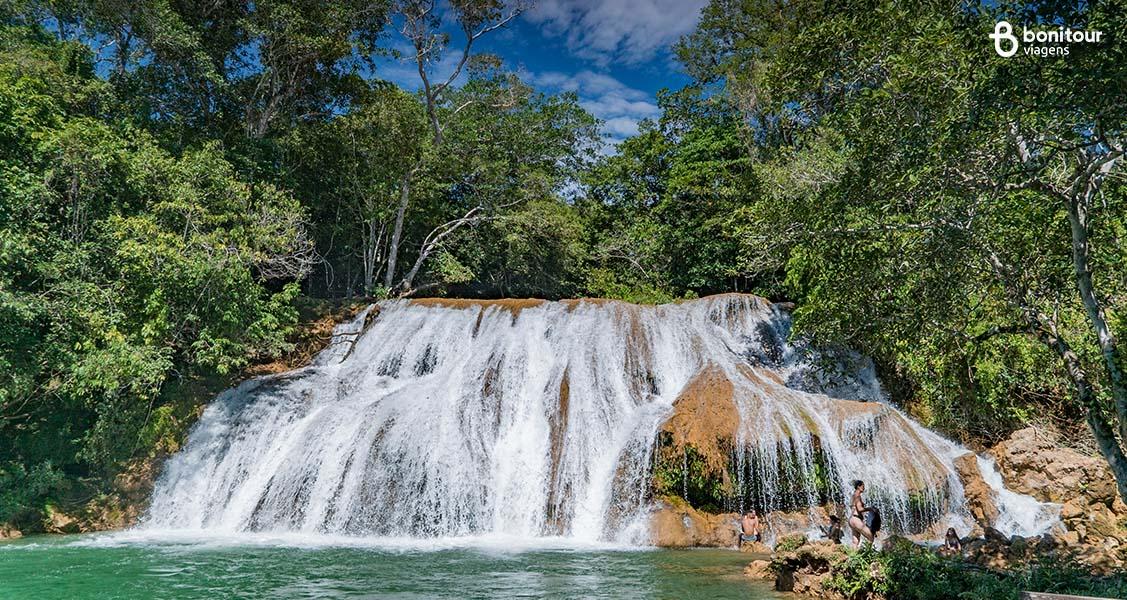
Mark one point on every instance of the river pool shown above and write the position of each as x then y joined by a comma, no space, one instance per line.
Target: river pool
154,565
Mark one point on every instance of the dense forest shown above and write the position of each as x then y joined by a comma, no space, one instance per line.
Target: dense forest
180,179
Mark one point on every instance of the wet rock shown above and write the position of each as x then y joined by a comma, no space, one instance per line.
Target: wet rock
57,521
705,417
1045,544
755,548
1019,548
994,536
1093,517
675,524
759,569
979,496
898,543
805,568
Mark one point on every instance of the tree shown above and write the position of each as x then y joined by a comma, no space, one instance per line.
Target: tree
124,269
662,206
930,196
422,28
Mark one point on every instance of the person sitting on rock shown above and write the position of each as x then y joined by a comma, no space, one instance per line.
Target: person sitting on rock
951,545
749,528
834,532
857,523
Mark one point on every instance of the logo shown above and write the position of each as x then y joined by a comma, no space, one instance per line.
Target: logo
1040,42
1004,32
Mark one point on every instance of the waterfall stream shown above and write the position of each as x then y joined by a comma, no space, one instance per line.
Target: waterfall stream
530,419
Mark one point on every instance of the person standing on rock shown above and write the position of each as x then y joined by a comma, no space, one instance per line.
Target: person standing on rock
857,519
749,528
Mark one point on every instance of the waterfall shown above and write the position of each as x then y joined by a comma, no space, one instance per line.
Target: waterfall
529,418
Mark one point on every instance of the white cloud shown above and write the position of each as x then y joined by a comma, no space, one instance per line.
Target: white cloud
624,31
619,106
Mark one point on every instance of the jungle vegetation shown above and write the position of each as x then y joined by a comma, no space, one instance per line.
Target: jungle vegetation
178,179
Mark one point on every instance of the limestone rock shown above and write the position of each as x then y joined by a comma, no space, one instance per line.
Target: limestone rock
675,524
705,417
804,569
1031,462
995,536
979,496
57,521
759,569
755,548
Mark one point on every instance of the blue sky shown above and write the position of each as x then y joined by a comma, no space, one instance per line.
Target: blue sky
614,54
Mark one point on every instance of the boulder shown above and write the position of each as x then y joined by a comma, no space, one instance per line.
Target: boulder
759,569
8,532
1094,518
57,521
803,567
1032,462
995,536
675,524
979,496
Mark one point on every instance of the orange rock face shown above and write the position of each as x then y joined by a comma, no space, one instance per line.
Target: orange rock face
706,418
675,524
980,498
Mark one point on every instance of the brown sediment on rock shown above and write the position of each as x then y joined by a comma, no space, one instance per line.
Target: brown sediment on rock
675,524
557,424
979,496
513,305
312,335
706,418
1033,461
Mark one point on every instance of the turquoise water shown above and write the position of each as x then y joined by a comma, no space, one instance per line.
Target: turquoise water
127,566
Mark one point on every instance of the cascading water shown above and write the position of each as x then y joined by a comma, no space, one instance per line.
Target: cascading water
529,418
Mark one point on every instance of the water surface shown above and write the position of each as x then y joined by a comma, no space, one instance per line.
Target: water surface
131,566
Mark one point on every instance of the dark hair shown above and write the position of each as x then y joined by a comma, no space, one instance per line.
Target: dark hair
951,531
834,519
857,483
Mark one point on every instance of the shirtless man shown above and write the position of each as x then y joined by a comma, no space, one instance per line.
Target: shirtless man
749,528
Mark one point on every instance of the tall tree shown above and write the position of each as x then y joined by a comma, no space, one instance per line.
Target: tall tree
930,195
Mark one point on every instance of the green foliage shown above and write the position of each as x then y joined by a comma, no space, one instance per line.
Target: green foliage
897,204
660,211
21,490
789,543
860,575
123,270
165,199
684,473
908,572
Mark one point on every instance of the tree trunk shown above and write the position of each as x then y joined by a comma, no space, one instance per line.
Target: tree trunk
1105,436
397,232
1078,220
1046,330
373,239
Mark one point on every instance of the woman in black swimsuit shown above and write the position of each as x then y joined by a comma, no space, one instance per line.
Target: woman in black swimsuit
857,518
